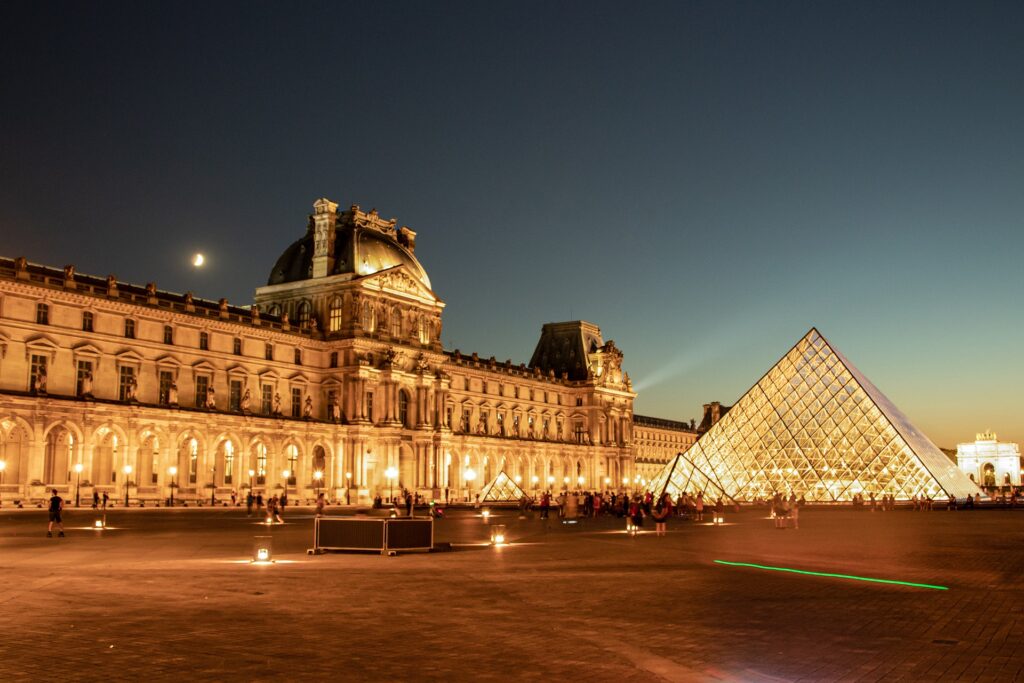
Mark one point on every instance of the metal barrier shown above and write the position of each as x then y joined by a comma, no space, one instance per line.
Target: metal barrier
382,534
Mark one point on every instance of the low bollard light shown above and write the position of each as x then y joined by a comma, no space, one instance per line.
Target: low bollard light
486,514
262,550
100,523
498,534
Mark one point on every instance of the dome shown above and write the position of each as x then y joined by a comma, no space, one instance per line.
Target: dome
358,250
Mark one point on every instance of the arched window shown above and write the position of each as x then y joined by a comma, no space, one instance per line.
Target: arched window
261,463
292,457
403,408
303,315
274,310
334,318
367,317
319,462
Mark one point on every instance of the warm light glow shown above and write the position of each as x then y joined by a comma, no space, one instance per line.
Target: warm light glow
499,538
518,478
198,260
580,480
391,473
565,480
99,524
348,475
486,513
625,480
251,472
78,467
535,478
286,473
318,475
470,475
262,555
551,480
607,480
127,469
3,465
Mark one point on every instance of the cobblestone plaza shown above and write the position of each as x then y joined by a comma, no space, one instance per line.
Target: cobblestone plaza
170,594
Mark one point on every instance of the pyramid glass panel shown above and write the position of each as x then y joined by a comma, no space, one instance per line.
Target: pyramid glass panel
815,426
502,490
682,475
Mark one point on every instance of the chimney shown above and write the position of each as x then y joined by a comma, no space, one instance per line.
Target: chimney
325,216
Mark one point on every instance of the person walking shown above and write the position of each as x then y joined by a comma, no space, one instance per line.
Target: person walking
56,507
234,498
321,502
282,502
95,499
105,499
408,504
259,503
545,504
249,500
662,511
794,511
700,506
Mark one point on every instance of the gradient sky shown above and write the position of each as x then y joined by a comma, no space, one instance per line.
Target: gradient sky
705,181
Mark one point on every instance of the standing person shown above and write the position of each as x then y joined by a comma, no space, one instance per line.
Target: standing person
56,507
545,504
95,499
794,511
636,512
105,499
234,497
282,502
259,503
662,511
279,509
408,504
320,503
249,500
700,506
719,510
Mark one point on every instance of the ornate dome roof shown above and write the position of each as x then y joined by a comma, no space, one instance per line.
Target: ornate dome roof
363,245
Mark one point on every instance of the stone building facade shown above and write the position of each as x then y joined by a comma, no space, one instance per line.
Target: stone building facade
334,379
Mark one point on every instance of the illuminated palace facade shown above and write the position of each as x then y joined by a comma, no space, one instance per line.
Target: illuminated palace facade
334,379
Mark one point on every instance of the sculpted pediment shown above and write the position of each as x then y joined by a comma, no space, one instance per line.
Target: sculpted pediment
398,280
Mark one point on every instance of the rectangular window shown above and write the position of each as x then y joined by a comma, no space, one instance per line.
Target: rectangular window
332,398
579,433
37,373
333,362
579,400
268,352
369,406
335,317
236,347
229,463
166,380
261,464
298,356
87,321
267,398
129,328
296,402
449,422
168,334
84,368
193,466
204,341
125,374
235,398
202,384
42,314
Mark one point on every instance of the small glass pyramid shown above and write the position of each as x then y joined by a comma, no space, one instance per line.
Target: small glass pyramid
502,489
813,425
681,475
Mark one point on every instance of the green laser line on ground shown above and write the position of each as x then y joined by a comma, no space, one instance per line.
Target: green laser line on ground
834,576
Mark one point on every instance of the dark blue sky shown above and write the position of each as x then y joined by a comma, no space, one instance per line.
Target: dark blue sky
703,180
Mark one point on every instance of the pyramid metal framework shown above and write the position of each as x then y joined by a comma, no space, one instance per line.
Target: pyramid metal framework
682,475
502,489
815,426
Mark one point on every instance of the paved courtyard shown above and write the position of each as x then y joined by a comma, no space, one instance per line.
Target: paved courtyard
169,594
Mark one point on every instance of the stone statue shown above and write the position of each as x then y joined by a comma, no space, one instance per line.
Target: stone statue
314,326
87,384
172,394
131,387
40,387
151,288
246,401
334,411
255,310
69,273
111,285
422,365
276,410
211,402
307,408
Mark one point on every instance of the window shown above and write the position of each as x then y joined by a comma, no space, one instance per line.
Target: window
166,380
129,328
298,356
125,376
449,422
579,400
84,368
369,406
547,424
333,362
235,396
236,346
168,334
202,384
267,398
465,421
229,462
578,432
334,319
396,323
193,461
303,315
296,402
292,458
403,408
204,341
501,423
42,314
37,373
261,463
368,317
87,321
268,351
421,330
515,425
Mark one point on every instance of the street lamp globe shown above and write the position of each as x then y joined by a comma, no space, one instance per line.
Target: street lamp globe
318,475
127,469
3,465
252,473
470,474
172,470
78,468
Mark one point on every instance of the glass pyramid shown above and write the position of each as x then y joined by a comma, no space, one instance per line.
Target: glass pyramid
501,490
682,475
813,425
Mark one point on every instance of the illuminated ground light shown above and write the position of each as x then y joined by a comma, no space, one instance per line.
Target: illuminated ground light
834,576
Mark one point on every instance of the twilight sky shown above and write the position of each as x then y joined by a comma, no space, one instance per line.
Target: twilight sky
704,180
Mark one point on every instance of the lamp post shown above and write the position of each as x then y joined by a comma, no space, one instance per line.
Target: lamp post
3,469
127,469
317,476
213,486
252,473
470,477
535,479
348,488
286,474
78,483
172,470
391,473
